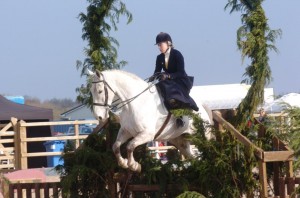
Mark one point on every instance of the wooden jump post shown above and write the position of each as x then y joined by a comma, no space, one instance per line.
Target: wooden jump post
282,154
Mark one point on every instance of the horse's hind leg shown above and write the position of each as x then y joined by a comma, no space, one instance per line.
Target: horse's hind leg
184,146
122,137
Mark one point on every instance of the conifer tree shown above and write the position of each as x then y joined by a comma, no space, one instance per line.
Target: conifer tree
102,16
254,39
88,172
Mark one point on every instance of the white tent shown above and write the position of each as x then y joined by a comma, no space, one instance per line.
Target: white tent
278,105
227,96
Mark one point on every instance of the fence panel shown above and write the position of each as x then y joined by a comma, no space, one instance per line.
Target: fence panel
16,156
7,148
35,190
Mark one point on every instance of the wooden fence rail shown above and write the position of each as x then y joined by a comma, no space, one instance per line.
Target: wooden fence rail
16,157
34,190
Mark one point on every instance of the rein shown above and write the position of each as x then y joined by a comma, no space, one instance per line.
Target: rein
163,126
122,103
125,102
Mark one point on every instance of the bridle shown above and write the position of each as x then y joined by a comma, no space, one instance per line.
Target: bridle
116,106
105,92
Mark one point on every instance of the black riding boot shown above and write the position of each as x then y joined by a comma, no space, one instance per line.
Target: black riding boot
173,104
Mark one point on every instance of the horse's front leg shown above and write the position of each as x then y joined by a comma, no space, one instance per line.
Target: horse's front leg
138,140
122,137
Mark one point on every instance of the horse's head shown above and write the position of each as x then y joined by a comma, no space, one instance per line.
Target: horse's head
102,95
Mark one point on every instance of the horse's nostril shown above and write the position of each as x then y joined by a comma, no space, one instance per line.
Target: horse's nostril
100,118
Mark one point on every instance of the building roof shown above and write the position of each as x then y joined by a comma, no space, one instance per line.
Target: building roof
10,109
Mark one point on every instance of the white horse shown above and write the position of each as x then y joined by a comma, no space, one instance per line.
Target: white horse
142,114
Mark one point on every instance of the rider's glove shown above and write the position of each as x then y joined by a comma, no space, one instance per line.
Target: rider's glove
164,76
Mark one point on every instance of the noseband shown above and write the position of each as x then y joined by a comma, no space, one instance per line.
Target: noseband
105,92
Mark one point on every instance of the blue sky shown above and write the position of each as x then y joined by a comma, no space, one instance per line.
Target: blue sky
40,42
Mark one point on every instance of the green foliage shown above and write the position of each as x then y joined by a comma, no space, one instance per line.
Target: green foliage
223,168
292,126
287,129
102,16
154,172
254,39
85,172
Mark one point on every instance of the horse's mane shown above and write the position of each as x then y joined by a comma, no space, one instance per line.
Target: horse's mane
124,72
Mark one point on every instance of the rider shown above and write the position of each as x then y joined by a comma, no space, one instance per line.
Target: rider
174,83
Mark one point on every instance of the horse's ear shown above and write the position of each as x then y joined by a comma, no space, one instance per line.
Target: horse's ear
89,72
98,73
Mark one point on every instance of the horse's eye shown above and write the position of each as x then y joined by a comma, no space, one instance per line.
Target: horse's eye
100,91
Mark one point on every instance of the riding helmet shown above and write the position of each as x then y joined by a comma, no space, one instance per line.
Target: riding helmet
163,37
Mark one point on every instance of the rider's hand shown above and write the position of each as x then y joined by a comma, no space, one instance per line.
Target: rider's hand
152,78
164,76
